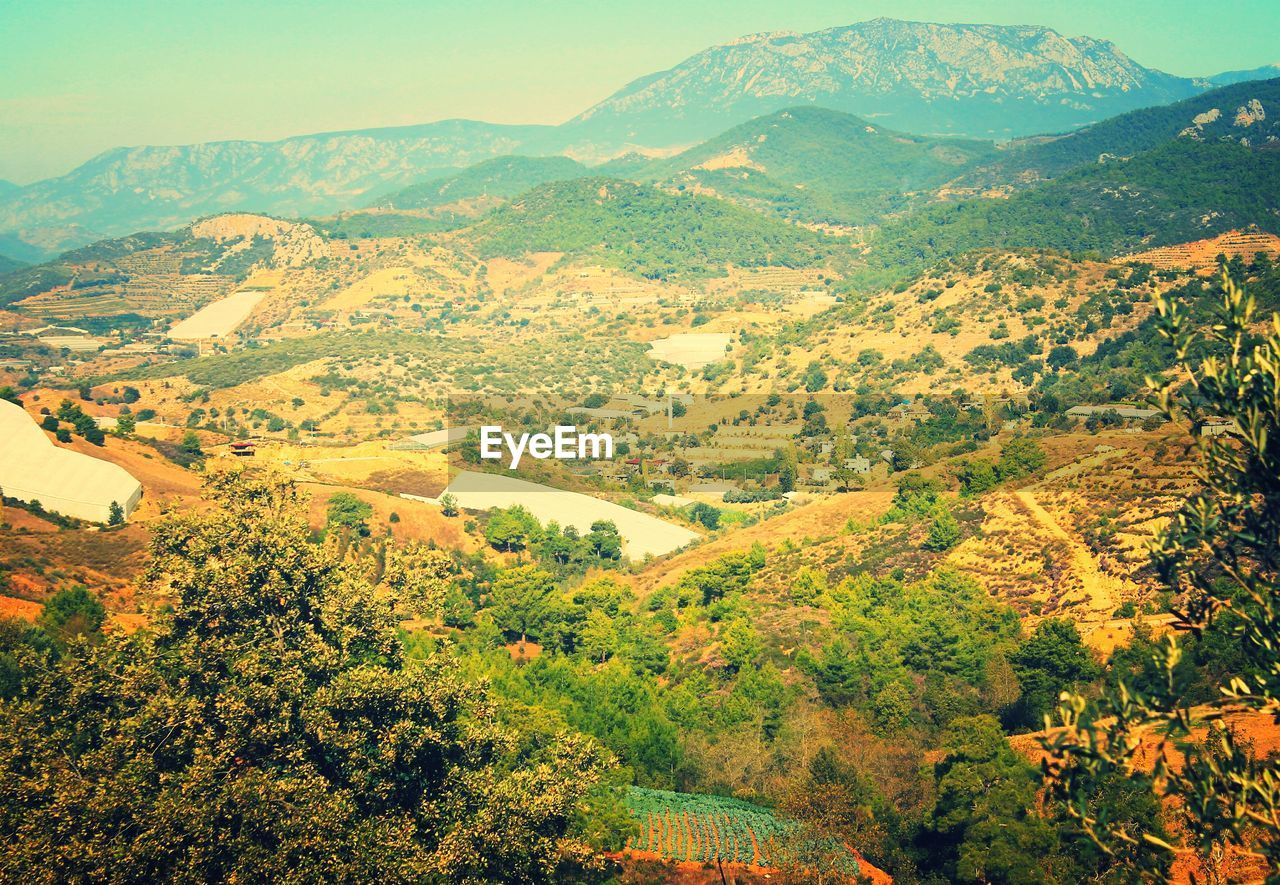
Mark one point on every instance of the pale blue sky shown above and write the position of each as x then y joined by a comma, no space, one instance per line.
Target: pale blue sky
77,78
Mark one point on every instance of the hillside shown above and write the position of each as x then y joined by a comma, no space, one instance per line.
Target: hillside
1184,190
489,180
642,230
1248,113
977,80
883,614
817,165
160,274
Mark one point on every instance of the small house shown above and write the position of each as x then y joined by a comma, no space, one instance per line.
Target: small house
1214,425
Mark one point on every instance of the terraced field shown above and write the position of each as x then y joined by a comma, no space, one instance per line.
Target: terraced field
702,828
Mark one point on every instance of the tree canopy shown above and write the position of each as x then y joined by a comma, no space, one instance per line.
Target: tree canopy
268,726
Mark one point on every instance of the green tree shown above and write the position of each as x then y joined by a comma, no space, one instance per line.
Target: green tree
983,825
892,707
839,679
191,444
603,540
23,651
346,511
1019,457
1061,356
599,637
916,494
944,532
115,514
815,378
418,578
1051,661
740,645
72,612
268,727
514,528
975,477
521,600
705,514
448,505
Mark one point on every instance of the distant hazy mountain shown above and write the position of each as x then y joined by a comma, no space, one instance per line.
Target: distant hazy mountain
8,264
818,165
496,179
1266,72
977,80
974,80
129,189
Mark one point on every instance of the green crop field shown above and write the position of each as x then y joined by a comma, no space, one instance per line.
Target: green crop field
702,828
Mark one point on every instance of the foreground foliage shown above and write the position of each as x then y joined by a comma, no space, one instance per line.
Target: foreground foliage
1222,552
269,727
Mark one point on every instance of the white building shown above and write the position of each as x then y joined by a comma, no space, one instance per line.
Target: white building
1128,412
858,464
33,469
434,439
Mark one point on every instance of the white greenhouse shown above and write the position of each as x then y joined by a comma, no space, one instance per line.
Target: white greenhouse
33,469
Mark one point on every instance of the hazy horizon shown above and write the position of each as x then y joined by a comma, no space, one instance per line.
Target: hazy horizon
88,77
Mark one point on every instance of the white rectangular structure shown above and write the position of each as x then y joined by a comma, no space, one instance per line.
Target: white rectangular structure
217,320
33,469
642,535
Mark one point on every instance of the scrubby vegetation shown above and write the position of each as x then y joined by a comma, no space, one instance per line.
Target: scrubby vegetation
643,230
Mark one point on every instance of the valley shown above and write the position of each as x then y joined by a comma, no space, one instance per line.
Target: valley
940,445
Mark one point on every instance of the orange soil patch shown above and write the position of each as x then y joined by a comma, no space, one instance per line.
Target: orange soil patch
418,521
524,651
1203,254
819,519
22,521
649,866
105,561
19,608
505,273
1259,729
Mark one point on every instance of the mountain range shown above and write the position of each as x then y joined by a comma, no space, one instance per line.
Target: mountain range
987,81
1266,72
977,81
